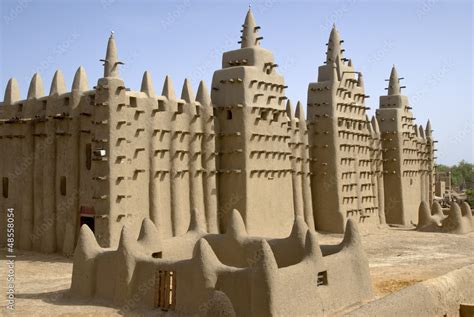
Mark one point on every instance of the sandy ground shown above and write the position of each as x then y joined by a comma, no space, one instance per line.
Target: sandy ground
398,258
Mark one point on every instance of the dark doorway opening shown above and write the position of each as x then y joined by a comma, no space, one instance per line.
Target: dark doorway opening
88,220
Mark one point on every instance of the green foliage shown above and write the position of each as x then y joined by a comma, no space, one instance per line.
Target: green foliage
462,174
470,197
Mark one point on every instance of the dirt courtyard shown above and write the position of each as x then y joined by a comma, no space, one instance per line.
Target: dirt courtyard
397,257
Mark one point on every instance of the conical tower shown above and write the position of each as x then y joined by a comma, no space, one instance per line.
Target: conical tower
111,62
404,162
249,96
111,150
334,47
340,143
250,29
394,83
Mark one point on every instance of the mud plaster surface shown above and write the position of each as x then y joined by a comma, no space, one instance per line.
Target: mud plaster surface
398,258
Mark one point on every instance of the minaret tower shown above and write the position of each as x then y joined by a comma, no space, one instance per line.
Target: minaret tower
254,168
340,141
402,161
111,168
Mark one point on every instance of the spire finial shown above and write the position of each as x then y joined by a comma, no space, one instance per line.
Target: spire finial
57,85
369,125
111,58
12,92
187,92
168,89
299,112
147,85
360,80
36,87
80,82
375,125
249,36
394,83
334,51
289,110
203,94
428,131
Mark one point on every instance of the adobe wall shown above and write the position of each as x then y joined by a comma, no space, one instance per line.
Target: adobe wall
43,144
341,142
234,272
408,158
440,296
255,159
110,154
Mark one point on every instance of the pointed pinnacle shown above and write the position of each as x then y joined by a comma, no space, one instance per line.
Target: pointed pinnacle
111,60
147,85
394,84
80,82
334,46
235,224
422,132
12,92
168,89
187,92
36,89
369,125
428,129
57,85
360,80
299,112
203,94
375,125
249,32
289,110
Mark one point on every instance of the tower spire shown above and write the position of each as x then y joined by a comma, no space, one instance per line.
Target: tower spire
375,125
360,80
111,59
428,131
203,94
36,87
334,46
147,84
250,29
57,86
187,92
80,82
12,92
394,84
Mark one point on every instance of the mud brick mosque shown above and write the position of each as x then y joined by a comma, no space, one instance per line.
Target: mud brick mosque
109,156
215,198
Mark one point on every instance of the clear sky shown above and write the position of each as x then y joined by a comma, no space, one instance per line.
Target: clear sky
430,41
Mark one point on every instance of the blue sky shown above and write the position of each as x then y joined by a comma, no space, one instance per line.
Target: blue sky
430,41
